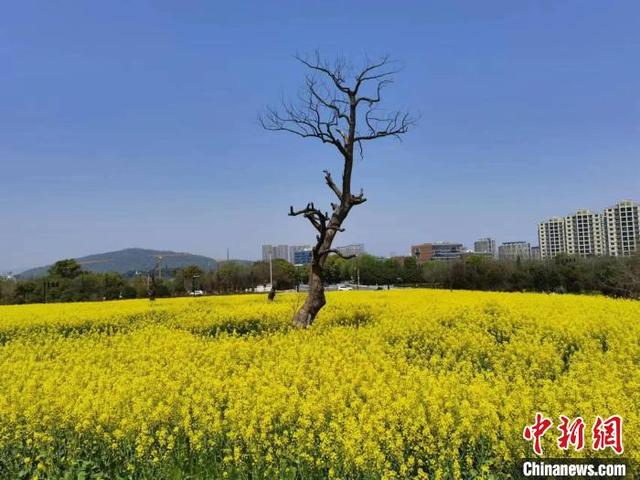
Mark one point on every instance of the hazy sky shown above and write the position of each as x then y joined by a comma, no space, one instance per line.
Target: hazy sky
134,123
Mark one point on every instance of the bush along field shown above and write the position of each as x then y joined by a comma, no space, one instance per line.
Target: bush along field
398,384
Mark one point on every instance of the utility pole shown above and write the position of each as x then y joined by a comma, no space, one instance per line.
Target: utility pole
271,268
159,267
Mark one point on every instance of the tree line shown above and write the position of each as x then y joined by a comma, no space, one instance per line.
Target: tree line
66,281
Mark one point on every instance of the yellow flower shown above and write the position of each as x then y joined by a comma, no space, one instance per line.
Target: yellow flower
398,384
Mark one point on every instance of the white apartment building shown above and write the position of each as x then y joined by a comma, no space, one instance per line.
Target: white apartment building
552,237
275,251
621,228
615,232
267,252
583,233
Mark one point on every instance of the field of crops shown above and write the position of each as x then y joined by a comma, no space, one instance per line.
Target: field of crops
400,384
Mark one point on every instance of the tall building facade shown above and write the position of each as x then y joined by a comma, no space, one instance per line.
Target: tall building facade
485,246
583,233
621,228
615,232
514,251
552,237
275,251
267,252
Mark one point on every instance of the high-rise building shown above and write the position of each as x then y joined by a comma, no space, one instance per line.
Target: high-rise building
281,252
579,234
621,228
615,232
583,234
267,252
442,251
356,249
535,253
485,246
293,249
514,251
275,251
552,237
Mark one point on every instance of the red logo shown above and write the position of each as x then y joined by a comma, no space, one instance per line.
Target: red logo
536,431
571,433
605,433
608,433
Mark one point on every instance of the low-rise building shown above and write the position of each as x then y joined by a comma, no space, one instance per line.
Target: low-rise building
535,253
293,249
485,246
303,257
436,251
355,249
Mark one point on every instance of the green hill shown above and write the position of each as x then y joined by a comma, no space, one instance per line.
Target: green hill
131,260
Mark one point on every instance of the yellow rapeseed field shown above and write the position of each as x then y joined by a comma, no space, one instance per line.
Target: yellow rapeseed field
399,384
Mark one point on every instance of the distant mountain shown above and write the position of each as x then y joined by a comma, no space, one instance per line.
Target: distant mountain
131,260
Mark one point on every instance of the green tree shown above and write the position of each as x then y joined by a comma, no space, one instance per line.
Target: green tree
68,268
284,274
334,269
231,277
186,278
410,270
113,284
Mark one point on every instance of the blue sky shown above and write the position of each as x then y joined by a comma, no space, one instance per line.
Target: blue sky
134,123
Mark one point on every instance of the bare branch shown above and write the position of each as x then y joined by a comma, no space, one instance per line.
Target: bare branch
332,185
335,75
369,72
315,216
338,253
376,99
358,199
330,104
380,127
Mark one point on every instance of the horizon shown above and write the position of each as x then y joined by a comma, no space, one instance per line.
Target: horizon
136,124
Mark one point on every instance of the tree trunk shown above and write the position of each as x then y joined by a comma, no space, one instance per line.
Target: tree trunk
315,299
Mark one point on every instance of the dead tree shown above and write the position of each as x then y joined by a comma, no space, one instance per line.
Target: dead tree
340,107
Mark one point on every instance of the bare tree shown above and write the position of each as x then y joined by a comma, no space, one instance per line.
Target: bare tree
340,106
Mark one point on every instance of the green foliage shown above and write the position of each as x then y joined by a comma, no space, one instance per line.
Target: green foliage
67,268
613,276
